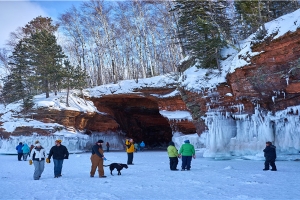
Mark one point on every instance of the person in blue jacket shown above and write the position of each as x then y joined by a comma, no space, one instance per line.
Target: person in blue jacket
26,151
19,150
142,145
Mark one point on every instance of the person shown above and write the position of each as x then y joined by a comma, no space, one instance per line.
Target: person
173,156
142,145
31,147
270,156
129,149
19,150
136,147
59,153
37,157
97,159
107,146
186,152
26,151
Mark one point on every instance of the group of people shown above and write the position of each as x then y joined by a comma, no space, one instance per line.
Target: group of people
23,151
139,147
38,156
186,153
59,152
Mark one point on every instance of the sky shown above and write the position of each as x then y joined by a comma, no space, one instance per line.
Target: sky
150,178
17,13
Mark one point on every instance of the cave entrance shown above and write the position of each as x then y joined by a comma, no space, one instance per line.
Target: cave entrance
140,119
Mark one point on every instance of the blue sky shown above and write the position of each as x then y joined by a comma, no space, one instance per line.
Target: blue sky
14,14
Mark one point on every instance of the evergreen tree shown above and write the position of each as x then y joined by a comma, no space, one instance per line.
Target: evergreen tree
46,56
17,85
205,29
255,13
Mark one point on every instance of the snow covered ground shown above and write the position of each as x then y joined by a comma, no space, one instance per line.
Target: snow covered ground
150,178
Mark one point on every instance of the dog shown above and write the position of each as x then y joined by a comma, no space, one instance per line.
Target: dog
118,166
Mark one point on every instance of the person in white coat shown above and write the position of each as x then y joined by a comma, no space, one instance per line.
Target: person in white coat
37,157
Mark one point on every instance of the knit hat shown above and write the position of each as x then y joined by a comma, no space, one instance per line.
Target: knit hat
186,141
269,143
37,143
59,141
100,141
171,143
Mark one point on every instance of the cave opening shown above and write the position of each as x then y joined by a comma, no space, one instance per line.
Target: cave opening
140,119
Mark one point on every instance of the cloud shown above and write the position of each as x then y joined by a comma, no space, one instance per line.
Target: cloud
14,14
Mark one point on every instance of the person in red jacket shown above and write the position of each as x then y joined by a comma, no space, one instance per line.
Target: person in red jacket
59,153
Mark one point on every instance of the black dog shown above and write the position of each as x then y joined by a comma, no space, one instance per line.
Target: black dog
118,166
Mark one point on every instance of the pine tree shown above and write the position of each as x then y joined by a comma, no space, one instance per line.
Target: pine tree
205,29
17,85
255,13
46,56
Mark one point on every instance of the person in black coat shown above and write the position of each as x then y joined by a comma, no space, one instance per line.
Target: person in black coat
59,153
270,155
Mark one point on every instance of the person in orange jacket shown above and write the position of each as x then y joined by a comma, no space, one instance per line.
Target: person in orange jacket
129,149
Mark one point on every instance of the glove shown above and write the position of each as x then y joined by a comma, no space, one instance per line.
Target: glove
104,158
47,160
30,162
194,156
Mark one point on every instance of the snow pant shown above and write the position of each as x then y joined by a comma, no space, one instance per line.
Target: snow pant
129,158
97,162
58,167
25,155
173,163
186,162
269,162
20,156
38,169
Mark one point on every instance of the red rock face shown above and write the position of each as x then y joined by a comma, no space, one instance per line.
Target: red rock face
272,81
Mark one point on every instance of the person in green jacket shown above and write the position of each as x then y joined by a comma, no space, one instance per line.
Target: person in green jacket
173,156
187,152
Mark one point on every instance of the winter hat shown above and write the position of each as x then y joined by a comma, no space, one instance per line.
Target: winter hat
270,143
186,141
171,143
20,143
37,143
100,141
59,141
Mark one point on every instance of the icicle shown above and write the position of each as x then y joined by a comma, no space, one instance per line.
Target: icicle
273,99
283,94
